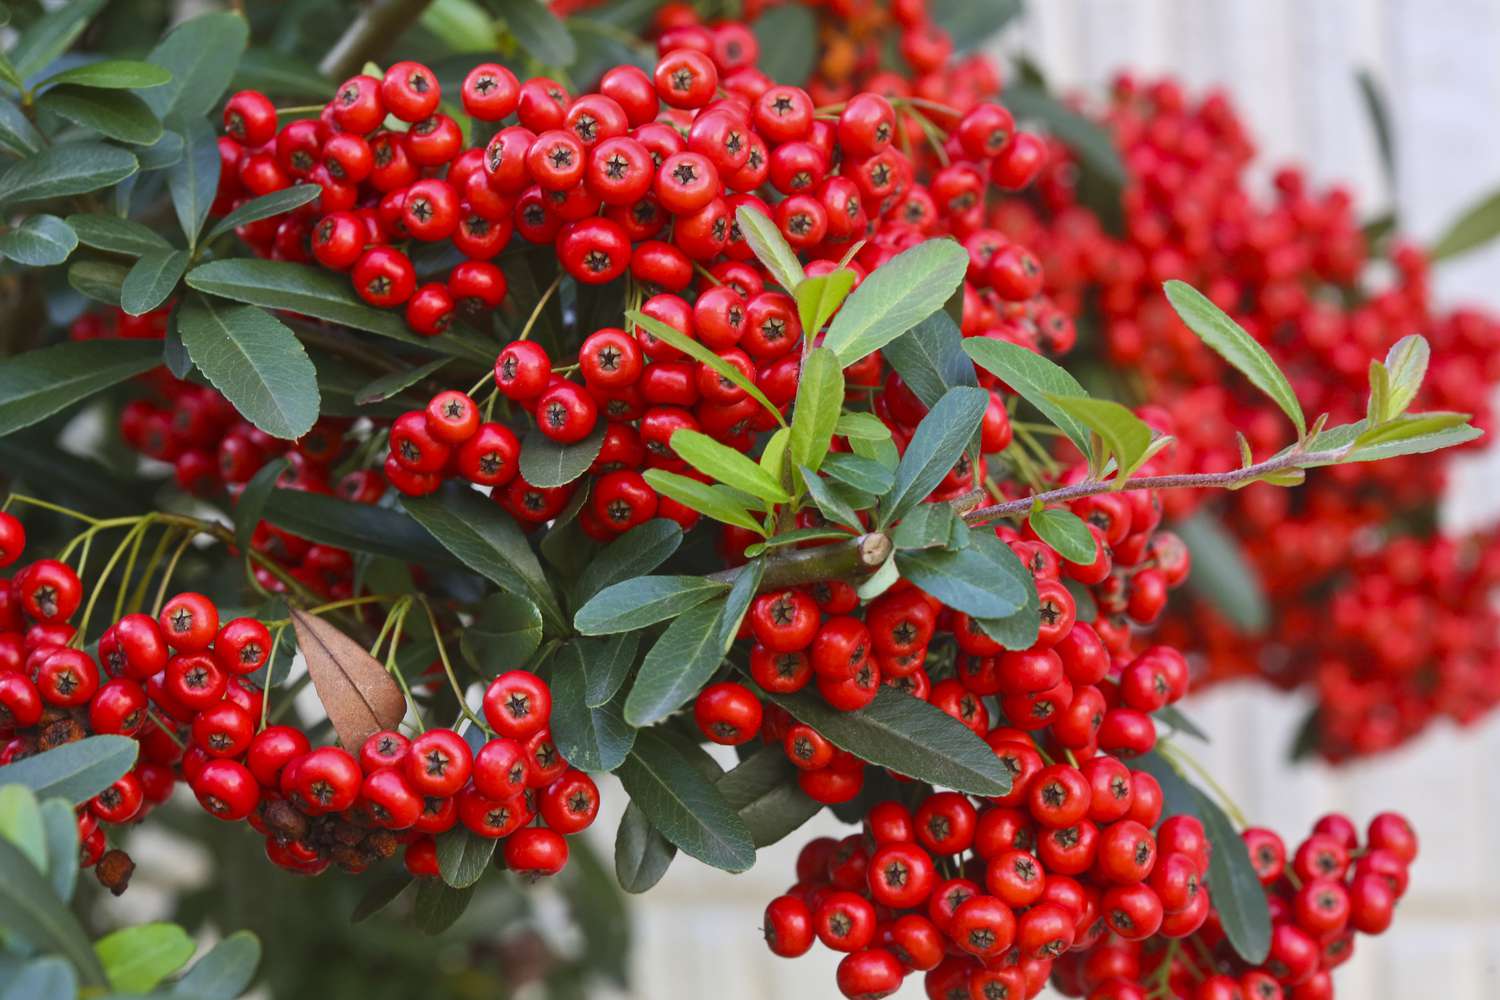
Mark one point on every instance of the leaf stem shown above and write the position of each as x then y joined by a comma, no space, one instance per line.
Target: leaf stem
458,689
46,505
541,304
1178,757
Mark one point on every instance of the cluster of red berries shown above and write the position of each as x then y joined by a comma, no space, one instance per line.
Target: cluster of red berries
180,683
1320,897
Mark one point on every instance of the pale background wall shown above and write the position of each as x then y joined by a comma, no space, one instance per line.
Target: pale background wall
1290,66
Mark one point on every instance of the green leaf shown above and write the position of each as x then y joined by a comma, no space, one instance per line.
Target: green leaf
538,30
1230,341
1238,895
971,24
1018,630
1034,379
763,789
1066,533
820,399
685,806
644,600
264,207
862,427
487,540
136,959
863,474
384,891
635,553
737,602
965,580
165,152
1377,411
250,509
40,241
173,354
21,824
713,501
116,235
682,660
895,297
111,74
60,171
255,361
930,525
1473,228
1178,720
606,664
152,279
591,738
1222,577
321,295
32,914
39,383
935,447
98,280
728,466
225,972
281,75
74,771
771,248
463,856
1124,435
546,463
908,736
1409,426
61,824
357,527
642,854
788,38
506,630
193,181
438,905
1406,366
930,358
389,386
50,35
117,114
41,978
18,136
831,502
461,25
1089,141
1380,121
201,55
819,298
695,350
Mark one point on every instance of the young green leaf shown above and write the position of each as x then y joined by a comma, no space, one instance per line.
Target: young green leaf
861,427
1125,436
1475,226
39,241
1408,426
773,455
1378,409
930,358
895,297
1066,533
771,248
728,466
1034,379
820,399
698,352
711,501
1406,366
863,474
644,600
936,446
819,298
1230,341
136,959
39,383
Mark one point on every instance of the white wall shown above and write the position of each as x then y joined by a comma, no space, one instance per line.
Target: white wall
1290,66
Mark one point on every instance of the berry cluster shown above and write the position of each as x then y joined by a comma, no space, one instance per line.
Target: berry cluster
181,683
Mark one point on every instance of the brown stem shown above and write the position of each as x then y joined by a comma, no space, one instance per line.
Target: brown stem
1291,460
375,28
840,561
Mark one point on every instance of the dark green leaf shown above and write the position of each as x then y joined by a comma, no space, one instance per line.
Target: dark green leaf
193,181
255,361
99,280
971,24
936,446
1066,533
225,972
111,74
1232,343
685,806
538,30
895,297
201,55
39,383
136,959
280,75
714,501
635,553
930,358
1018,630
1089,140
463,856
763,789
1034,379
594,739
1380,121
642,854
546,463
152,279
606,664
355,526
18,136
117,114
788,37
59,171
737,602
1124,435
864,474
392,385
644,600
820,399
506,630
265,207
908,736
50,35
965,580
1308,738
251,506
167,151
1222,577
322,295
382,893
40,241
439,906
487,540
930,525
32,914
677,666
771,248
39,979
108,232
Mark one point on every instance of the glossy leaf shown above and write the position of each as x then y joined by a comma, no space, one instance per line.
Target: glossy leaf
547,463
678,665
771,248
63,170
863,474
152,279
1066,533
685,806
895,297
114,114
965,580
389,386
136,959
361,698
39,241
1034,379
253,360
820,400
39,383
606,664
644,600
935,447
713,501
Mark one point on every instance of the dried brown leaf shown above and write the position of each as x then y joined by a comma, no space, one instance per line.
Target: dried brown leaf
361,698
